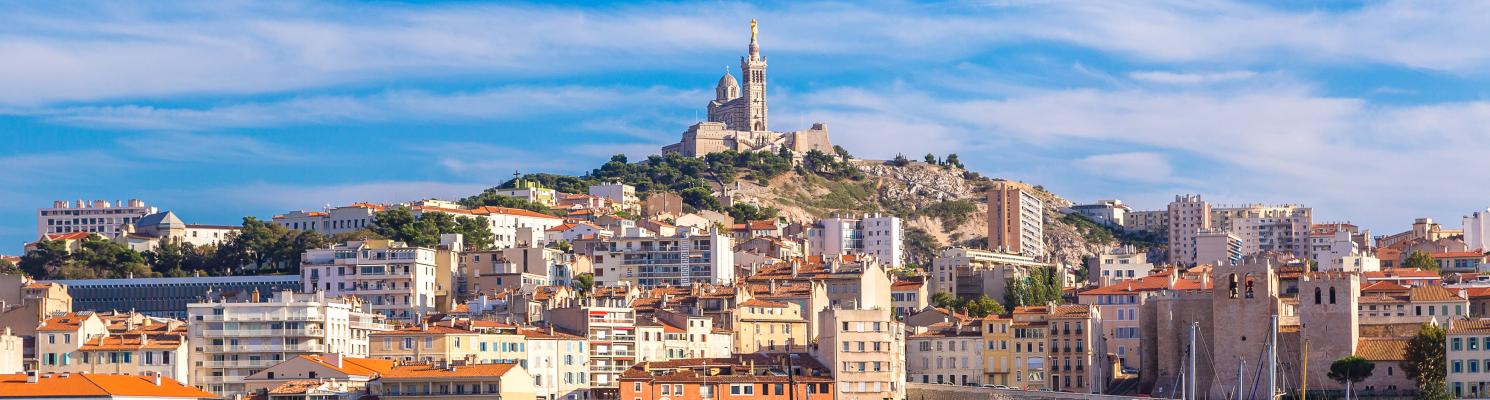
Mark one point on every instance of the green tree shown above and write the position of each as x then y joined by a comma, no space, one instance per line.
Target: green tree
106,258
9,268
953,161
47,256
984,306
1350,370
584,283
931,159
168,258
1425,362
1421,259
945,300
360,234
842,153
700,197
745,212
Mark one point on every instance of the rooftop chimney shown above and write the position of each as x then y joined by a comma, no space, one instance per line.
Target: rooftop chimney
155,378
31,377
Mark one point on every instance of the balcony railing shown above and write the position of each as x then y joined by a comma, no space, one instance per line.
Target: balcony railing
263,332
240,363
250,348
230,318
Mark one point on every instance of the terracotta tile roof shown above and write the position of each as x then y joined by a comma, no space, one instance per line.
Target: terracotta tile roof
1401,273
1478,293
560,228
369,367
1381,349
131,342
1432,293
1457,254
431,329
96,385
1072,311
732,369
65,322
1384,286
426,371
299,386
762,303
1468,326
907,284
67,236
532,334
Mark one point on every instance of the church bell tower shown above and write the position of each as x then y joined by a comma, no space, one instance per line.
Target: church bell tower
754,68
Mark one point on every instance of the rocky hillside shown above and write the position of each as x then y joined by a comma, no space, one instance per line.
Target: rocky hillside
941,205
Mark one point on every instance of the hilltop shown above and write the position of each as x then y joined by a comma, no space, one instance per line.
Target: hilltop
941,203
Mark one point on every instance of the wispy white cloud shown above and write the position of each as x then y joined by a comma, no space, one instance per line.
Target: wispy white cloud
1181,78
282,196
184,147
153,50
502,103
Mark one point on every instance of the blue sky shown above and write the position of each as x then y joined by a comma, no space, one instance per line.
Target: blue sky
1370,112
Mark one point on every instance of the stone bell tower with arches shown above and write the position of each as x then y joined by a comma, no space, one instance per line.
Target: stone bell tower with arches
1243,302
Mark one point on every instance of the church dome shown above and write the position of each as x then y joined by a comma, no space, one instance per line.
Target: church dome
728,87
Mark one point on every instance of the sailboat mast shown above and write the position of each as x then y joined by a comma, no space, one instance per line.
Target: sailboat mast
1273,360
1190,369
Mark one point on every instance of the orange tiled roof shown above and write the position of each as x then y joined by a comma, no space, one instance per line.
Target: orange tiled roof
1468,326
907,284
96,385
67,236
1401,273
368,367
1457,254
431,329
1383,286
541,334
1478,293
1432,293
64,322
1381,349
762,303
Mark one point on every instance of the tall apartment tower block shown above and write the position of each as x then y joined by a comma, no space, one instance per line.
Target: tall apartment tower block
1016,219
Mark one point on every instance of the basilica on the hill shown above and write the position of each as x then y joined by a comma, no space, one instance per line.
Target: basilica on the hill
738,117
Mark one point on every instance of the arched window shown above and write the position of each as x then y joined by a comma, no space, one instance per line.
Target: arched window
1250,280
1232,283
1316,296
1332,295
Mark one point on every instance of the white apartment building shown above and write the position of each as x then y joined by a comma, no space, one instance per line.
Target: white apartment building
1339,251
1121,264
349,218
1477,230
232,340
611,332
1156,222
510,227
392,278
1188,216
99,216
865,349
1282,228
559,363
876,234
1106,212
1216,246
1467,356
947,353
623,196
678,260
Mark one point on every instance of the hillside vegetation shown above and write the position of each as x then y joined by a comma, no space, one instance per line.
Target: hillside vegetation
941,203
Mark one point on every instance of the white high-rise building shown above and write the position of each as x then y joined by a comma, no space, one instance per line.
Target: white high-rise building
678,260
98,216
392,278
876,234
1477,230
232,340
1188,216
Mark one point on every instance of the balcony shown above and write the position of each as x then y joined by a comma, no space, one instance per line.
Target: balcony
614,353
240,363
258,348
251,318
214,333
